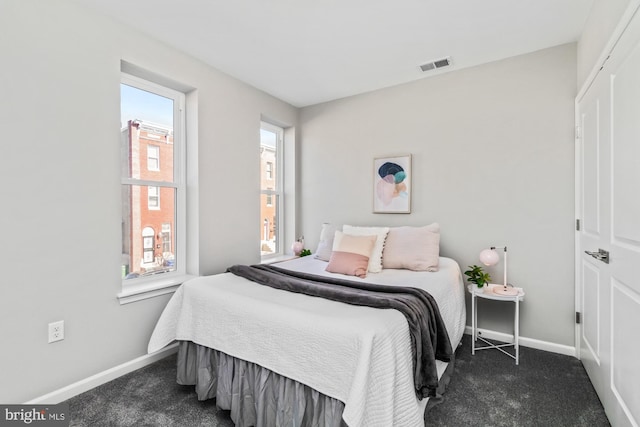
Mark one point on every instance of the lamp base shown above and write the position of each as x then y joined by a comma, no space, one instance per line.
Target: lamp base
508,291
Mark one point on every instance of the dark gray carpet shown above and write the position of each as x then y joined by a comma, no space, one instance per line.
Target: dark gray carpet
487,389
544,390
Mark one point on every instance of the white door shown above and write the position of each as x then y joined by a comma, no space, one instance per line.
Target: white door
594,304
609,207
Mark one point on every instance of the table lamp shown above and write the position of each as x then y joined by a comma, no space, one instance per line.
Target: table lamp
490,257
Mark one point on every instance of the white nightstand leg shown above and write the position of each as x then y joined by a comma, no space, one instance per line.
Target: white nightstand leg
474,320
516,342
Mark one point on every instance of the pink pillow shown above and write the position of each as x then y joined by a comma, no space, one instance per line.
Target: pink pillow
413,248
375,259
351,254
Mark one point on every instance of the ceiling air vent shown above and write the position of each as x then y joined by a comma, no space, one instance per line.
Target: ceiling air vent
439,63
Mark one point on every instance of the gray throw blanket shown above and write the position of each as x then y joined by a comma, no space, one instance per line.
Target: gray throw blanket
429,337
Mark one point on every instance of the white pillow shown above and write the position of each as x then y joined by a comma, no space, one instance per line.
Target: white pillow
325,246
375,261
413,248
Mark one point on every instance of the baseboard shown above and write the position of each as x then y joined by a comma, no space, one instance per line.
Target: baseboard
103,377
526,342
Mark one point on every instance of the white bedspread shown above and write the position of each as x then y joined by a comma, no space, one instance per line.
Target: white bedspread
358,355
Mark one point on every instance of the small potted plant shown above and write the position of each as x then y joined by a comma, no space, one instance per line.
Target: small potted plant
305,252
475,274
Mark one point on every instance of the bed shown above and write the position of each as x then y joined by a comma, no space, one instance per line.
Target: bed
274,357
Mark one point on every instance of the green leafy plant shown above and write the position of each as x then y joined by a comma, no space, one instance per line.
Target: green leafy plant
475,274
305,252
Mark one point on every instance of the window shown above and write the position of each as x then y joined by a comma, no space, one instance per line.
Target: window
271,196
153,198
151,129
153,158
166,238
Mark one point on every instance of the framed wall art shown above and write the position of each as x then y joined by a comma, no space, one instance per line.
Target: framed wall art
392,184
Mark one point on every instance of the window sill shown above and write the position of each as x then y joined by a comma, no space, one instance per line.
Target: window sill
142,291
278,258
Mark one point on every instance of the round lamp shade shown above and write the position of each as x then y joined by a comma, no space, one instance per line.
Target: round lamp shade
489,257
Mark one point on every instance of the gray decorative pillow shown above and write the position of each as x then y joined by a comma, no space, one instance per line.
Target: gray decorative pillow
325,246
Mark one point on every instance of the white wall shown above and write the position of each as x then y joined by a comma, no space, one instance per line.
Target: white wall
60,246
493,163
601,23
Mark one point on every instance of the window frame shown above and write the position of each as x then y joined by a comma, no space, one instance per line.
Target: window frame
135,289
278,191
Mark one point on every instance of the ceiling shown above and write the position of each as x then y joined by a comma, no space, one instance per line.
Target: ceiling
306,52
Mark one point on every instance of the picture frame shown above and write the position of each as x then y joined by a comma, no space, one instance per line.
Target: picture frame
392,184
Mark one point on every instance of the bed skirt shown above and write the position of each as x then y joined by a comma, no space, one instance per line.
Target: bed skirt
259,397
255,395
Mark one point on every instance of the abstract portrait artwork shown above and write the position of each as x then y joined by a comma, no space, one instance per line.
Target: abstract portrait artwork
392,184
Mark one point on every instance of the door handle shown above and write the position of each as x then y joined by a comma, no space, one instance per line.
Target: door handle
601,255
